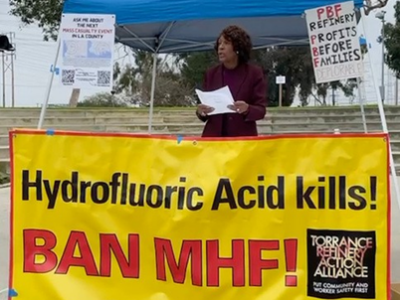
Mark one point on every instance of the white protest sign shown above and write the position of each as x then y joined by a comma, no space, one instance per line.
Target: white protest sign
87,45
334,42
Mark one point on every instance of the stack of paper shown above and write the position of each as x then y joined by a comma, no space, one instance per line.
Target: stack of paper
219,99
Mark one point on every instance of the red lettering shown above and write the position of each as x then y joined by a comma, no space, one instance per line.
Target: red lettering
78,241
104,31
338,9
315,51
78,253
333,11
189,249
129,267
330,11
215,262
316,61
320,11
313,38
32,249
86,260
257,264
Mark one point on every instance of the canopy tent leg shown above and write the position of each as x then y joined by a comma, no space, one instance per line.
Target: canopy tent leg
153,88
159,41
382,114
46,99
360,99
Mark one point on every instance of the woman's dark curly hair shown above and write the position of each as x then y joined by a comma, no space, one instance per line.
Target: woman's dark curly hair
240,40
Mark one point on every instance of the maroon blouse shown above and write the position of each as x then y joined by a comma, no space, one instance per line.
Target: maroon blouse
247,83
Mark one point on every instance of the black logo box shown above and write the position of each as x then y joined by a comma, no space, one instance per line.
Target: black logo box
341,264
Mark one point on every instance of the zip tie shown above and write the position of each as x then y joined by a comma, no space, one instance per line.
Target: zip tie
180,138
12,293
50,131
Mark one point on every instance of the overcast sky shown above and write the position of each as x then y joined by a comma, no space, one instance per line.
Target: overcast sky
34,58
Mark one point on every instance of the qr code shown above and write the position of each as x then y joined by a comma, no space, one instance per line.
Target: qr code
68,77
103,77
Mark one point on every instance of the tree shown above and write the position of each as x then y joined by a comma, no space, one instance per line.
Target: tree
103,100
291,62
370,5
177,87
119,97
194,65
391,41
135,81
294,63
45,13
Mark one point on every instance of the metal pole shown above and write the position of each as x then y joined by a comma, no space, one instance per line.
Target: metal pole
361,105
383,59
12,35
4,79
383,117
396,91
46,99
12,82
153,88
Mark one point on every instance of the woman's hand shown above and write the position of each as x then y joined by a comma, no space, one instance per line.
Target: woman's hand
203,110
240,107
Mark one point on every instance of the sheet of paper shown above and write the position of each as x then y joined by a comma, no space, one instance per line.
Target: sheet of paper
219,99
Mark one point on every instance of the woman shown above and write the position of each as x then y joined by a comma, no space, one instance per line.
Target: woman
246,82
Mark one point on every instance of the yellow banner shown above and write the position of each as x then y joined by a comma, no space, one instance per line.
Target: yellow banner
104,217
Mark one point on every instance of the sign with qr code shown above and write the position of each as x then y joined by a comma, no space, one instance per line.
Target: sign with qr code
87,46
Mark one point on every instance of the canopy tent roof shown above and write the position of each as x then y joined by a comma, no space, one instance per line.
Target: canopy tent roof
166,26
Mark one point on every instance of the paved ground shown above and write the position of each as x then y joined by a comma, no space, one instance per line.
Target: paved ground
4,237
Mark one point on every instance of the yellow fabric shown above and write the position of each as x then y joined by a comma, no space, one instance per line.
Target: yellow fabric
247,200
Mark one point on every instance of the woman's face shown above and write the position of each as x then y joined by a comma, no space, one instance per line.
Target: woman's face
225,50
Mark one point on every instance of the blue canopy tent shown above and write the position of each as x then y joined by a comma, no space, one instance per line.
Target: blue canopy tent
165,26
173,26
